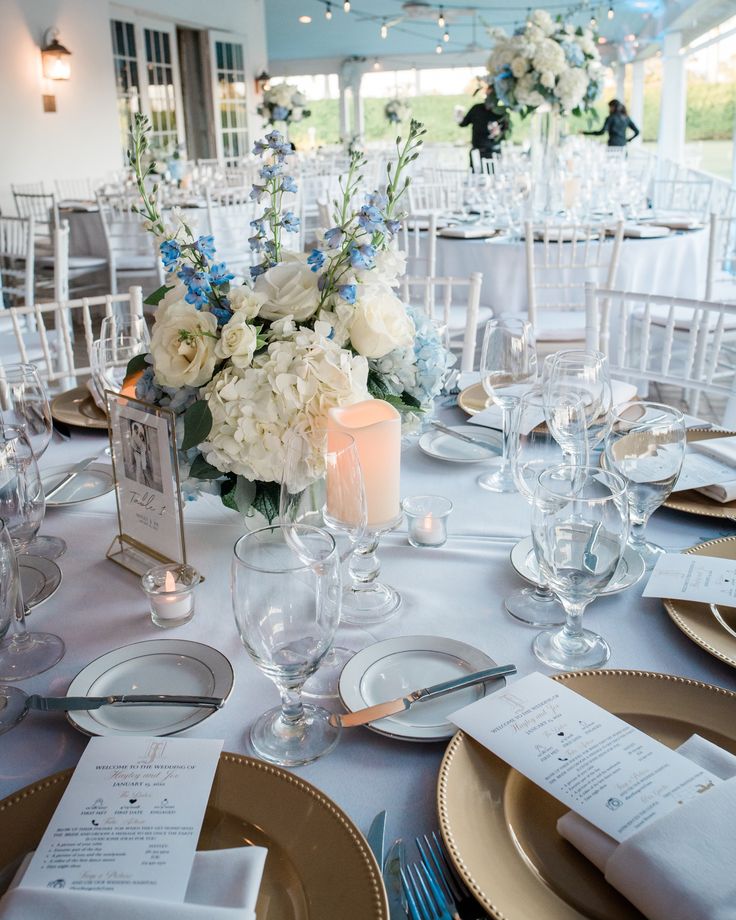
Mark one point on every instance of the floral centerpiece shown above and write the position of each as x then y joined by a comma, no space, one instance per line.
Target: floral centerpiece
397,111
283,103
249,367
546,61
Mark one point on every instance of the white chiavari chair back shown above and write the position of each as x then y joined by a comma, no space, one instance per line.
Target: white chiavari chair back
453,304
720,283
229,215
17,261
683,196
637,333
418,241
440,197
131,249
560,260
77,189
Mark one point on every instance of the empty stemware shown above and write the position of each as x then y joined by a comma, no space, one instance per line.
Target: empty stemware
569,377
580,525
287,607
646,447
508,364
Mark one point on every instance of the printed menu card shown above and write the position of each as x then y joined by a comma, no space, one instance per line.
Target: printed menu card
129,819
615,776
705,579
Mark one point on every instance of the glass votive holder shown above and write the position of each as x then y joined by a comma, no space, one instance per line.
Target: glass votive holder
426,517
170,589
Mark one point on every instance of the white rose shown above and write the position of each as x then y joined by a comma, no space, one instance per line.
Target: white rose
587,46
379,323
390,265
547,79
543,21
519,67
290,289
183,346
237,342
549,57
245,301
525,92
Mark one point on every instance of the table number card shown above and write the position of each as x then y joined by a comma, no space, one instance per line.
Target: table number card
704,579
146,473
615,776
129,819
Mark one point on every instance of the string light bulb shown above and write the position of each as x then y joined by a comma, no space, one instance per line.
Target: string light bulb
346,6
438,49
611,14
328,11
441,18
446,36
384,29
593,22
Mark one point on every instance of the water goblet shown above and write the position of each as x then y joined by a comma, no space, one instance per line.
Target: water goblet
322,486
534,450
508,365
569,376
120,340
646,447
580,525
287,607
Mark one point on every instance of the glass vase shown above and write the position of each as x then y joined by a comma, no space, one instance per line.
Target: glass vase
546,133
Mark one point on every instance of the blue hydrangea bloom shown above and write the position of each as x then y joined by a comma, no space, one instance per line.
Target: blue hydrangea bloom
170,253
219,274
573,54
348,292
280,113
316,260
205,246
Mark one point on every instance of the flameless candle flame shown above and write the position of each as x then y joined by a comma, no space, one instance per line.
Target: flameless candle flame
169,583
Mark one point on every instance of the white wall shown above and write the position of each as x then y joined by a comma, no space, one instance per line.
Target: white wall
82,137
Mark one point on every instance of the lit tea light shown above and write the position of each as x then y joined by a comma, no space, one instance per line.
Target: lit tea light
426,518
170,590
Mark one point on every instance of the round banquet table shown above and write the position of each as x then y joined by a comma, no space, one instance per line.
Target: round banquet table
674,266
455,591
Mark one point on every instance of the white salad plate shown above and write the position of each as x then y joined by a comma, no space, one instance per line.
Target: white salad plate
441,446
394,667
39,578
91,483
173,666
630,568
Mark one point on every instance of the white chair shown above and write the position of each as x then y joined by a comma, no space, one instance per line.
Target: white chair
17,261
59,361
229,213
32,200
131,250
418,240
720,282
560,260
77,189
453,304
683,196
623,325
67,275
425,197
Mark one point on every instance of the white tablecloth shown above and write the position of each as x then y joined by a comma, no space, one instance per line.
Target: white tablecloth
454,591
673,266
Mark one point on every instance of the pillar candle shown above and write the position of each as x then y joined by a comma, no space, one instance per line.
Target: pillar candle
376,427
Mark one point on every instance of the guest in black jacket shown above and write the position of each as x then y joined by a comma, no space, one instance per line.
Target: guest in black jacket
617,124
490,125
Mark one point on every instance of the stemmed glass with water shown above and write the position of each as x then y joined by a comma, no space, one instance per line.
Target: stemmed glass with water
573,377
508,365
121,338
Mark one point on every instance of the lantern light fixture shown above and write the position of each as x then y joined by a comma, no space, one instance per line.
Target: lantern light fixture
263,81
55,57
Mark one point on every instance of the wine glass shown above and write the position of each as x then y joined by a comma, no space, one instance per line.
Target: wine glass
322,486
646,447
120,340
508,364
287,607
569,376
22,502
580,525
534,450
24,404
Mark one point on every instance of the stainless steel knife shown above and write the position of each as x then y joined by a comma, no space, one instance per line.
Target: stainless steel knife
71,474
65,703
395,862
390,708
463,437
376,836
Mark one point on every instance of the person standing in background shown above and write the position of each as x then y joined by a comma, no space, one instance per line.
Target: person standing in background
617,124
490,125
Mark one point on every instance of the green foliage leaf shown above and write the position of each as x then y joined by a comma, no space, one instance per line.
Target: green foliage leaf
266,500
201,469
377,386
136,364
410,400
197,424
153,300
237,493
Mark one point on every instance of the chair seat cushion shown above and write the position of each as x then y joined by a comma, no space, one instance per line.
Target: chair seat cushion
560,326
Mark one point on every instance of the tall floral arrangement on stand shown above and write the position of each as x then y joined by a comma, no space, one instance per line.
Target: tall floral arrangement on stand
546,61
249,367
397,111
283,103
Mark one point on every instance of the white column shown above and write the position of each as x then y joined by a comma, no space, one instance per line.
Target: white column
673,100
620,81
637,97
733,154
358,114
345,128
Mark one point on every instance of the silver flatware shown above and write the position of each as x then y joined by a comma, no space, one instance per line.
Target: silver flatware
392,868
391,707
72,474
590,559
66,703
462,437
376,836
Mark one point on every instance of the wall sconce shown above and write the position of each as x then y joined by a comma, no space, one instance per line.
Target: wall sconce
263,81
55,57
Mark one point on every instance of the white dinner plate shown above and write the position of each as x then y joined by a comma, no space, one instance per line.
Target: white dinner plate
630,568
39,578
175,666
443,446
96,480
394,667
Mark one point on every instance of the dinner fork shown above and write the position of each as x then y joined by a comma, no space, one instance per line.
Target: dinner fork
434,859
424,897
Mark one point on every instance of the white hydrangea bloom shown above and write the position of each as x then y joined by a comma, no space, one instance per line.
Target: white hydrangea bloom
543,21
550,58
519,66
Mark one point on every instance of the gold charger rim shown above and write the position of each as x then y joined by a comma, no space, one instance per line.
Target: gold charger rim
373,882
64,408
701,504
679,616
464,395
461,739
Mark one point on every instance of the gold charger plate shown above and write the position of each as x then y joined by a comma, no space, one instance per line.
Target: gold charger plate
318,864
500,828
697,620
76,407
692,502
473,399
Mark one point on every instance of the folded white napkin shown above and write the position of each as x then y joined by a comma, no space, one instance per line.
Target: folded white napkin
645,231
97,395
723,449
468,233
679,867
223,885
